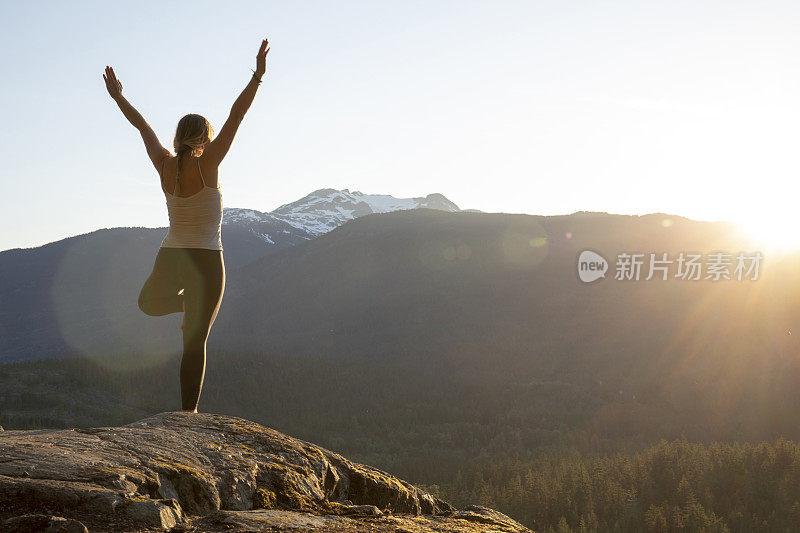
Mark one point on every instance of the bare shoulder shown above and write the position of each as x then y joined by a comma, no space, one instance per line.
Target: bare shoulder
210,170
167,161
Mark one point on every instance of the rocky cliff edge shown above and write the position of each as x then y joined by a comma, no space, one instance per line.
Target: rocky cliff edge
206,472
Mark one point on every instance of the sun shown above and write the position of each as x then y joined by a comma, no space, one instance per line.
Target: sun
772,232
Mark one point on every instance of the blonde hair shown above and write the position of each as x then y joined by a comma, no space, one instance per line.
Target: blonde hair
192,135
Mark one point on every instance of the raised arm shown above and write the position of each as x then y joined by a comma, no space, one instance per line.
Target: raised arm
217,148
155,151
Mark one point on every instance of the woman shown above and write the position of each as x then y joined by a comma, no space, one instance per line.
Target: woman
189,270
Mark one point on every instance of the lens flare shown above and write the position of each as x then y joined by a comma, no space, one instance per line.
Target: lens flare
524,245
94,303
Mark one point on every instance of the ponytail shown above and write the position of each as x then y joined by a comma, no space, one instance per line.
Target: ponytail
191,136
182,149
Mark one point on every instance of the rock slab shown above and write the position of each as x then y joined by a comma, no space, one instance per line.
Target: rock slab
184,471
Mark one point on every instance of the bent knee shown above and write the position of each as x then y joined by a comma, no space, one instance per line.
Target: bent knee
146,307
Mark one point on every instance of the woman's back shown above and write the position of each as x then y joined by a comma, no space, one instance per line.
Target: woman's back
191,181
194,207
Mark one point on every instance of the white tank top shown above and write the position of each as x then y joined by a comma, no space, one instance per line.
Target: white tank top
194,221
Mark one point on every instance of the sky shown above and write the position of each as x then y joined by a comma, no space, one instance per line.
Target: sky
540,107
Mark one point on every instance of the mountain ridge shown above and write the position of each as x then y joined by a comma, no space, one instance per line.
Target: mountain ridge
310,216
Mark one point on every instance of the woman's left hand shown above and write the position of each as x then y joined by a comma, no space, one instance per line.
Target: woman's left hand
113,85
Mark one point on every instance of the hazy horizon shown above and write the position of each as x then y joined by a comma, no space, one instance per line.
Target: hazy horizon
547,108
166,222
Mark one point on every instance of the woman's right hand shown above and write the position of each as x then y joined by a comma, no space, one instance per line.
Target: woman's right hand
261,58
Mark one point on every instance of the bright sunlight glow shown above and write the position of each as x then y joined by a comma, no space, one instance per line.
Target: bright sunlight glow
775,232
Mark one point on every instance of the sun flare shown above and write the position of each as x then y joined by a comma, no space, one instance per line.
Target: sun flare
776,233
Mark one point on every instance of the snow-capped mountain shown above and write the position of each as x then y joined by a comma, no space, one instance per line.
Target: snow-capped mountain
320,212
326,209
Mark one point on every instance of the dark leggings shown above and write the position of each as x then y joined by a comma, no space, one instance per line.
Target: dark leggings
201,275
